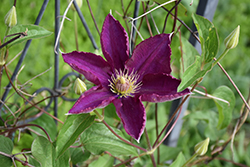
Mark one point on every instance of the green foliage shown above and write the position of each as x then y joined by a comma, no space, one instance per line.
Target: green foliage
180,160
72,128
98,139
44,151
33,32
225,109
48,124
6,147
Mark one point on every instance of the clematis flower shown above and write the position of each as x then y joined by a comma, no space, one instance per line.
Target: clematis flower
124,81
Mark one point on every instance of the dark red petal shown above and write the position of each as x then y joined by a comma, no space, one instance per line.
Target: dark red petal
151,56
133,115
160,88
96,97
114,41
93,67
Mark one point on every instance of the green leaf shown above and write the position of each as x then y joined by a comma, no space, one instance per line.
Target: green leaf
168,153
190,54
193,73
34,162
98,139
6,146
34,31
48,124
72,128
208,36
103,161
179,161
182,11
43,151
225,110
63,160
78,155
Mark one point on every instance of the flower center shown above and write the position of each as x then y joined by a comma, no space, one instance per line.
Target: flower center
124,84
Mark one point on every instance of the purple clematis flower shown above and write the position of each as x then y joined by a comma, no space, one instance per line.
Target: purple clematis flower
124,81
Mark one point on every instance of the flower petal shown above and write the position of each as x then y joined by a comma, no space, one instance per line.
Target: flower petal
133,115
93,67
96,97
160,88
114,41
151,56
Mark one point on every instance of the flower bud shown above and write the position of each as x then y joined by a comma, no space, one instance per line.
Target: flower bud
10,18
79,86
201,148
232,39
79,3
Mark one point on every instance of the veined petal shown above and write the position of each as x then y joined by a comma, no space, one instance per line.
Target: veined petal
93,67
133,115
96,97
114,41
160,88
151,56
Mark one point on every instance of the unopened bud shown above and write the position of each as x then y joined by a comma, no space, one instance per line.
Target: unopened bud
201,148
232,39
79,86
79,3
10,18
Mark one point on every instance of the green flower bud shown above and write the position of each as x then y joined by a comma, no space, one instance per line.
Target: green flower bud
79,86
201,148
10,18
232,39
79,3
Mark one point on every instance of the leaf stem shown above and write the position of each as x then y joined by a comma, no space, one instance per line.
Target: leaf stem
143,149
220,57
190,159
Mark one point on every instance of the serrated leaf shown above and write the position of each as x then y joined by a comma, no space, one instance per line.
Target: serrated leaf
179,161
98,139
208,36
225,110
103,161
34,31
181,9
43,151
72,128
6,146
48,124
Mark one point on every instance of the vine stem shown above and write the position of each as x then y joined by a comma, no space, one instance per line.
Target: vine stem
27,99
232,82
171,119
15,158
150,148
143,149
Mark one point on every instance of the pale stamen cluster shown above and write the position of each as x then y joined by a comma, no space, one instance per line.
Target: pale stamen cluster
124,84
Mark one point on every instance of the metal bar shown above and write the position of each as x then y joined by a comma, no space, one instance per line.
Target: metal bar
38,19
85,25
136,12
56,63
